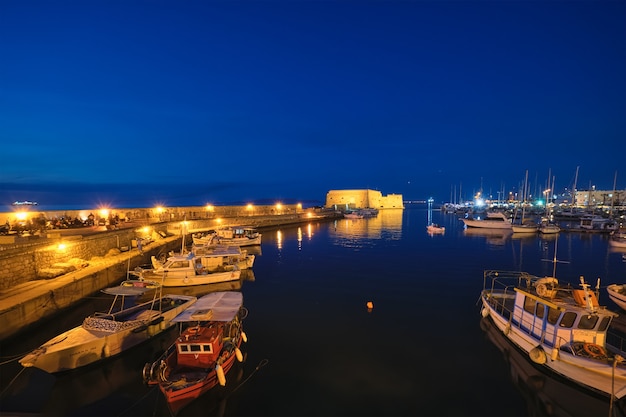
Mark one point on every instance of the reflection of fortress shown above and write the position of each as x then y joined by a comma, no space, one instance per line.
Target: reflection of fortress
356,199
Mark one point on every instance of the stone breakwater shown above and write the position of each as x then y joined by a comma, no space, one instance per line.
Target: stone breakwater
40,277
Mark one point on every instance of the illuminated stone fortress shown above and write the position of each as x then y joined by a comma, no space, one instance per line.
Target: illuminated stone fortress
356,199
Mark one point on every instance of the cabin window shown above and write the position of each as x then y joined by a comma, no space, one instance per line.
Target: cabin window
529,305
541,310
179,264
588,322
568,319
553,315
195,348
207,348
604,324
183,348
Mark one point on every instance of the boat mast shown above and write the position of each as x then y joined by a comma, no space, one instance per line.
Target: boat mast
613,196
574,189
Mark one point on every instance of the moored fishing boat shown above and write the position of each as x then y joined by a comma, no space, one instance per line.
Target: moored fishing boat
563,329
205,351
105,334
180,270
230,235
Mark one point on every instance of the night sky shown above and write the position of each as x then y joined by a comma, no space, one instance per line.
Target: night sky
192,102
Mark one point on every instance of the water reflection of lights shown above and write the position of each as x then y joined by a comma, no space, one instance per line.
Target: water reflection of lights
387,225
299,238
309,231
279,239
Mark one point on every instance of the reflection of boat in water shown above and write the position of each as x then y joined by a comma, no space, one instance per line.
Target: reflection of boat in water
547,394
493,236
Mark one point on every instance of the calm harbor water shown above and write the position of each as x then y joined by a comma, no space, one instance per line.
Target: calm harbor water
314,349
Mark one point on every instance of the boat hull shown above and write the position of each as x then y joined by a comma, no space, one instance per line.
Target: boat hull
84,345
524,229
172,279
487,224
617,293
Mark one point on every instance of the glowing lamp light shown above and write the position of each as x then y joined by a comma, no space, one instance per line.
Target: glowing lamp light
479,202
21,215
370,305
104,212
61,247
159,209
209,207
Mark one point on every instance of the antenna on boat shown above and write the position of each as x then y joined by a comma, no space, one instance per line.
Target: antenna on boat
554,260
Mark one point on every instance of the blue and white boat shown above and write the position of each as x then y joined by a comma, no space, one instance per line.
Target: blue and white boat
562,328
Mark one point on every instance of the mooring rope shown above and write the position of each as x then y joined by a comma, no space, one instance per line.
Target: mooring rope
12,381
258,367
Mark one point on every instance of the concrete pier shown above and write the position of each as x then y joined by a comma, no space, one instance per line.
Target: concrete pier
25,303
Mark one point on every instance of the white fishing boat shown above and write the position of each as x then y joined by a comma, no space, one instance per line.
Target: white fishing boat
493,220
549,228
180,270
231,235
561,328
105,334
231,255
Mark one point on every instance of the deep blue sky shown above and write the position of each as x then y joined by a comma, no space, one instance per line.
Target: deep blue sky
188,102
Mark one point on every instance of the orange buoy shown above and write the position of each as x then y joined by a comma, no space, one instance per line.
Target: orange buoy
370,305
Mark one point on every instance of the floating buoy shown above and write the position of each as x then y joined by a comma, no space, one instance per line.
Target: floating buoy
220,375
370,305
243,336
239,355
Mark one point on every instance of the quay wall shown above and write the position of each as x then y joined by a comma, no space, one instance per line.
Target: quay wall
59,251
38,281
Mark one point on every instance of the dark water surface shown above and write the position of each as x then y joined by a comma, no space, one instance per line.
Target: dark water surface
314,349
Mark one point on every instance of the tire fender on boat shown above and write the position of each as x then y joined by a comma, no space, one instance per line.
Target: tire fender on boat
239,355
145,372
507,329
538,355
484,312
244,337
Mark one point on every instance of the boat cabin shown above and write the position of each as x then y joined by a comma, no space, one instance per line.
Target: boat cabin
558,323
200,346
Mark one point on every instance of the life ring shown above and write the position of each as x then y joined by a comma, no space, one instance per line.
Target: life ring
593,350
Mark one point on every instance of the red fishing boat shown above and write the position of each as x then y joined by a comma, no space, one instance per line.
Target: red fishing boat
204,352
